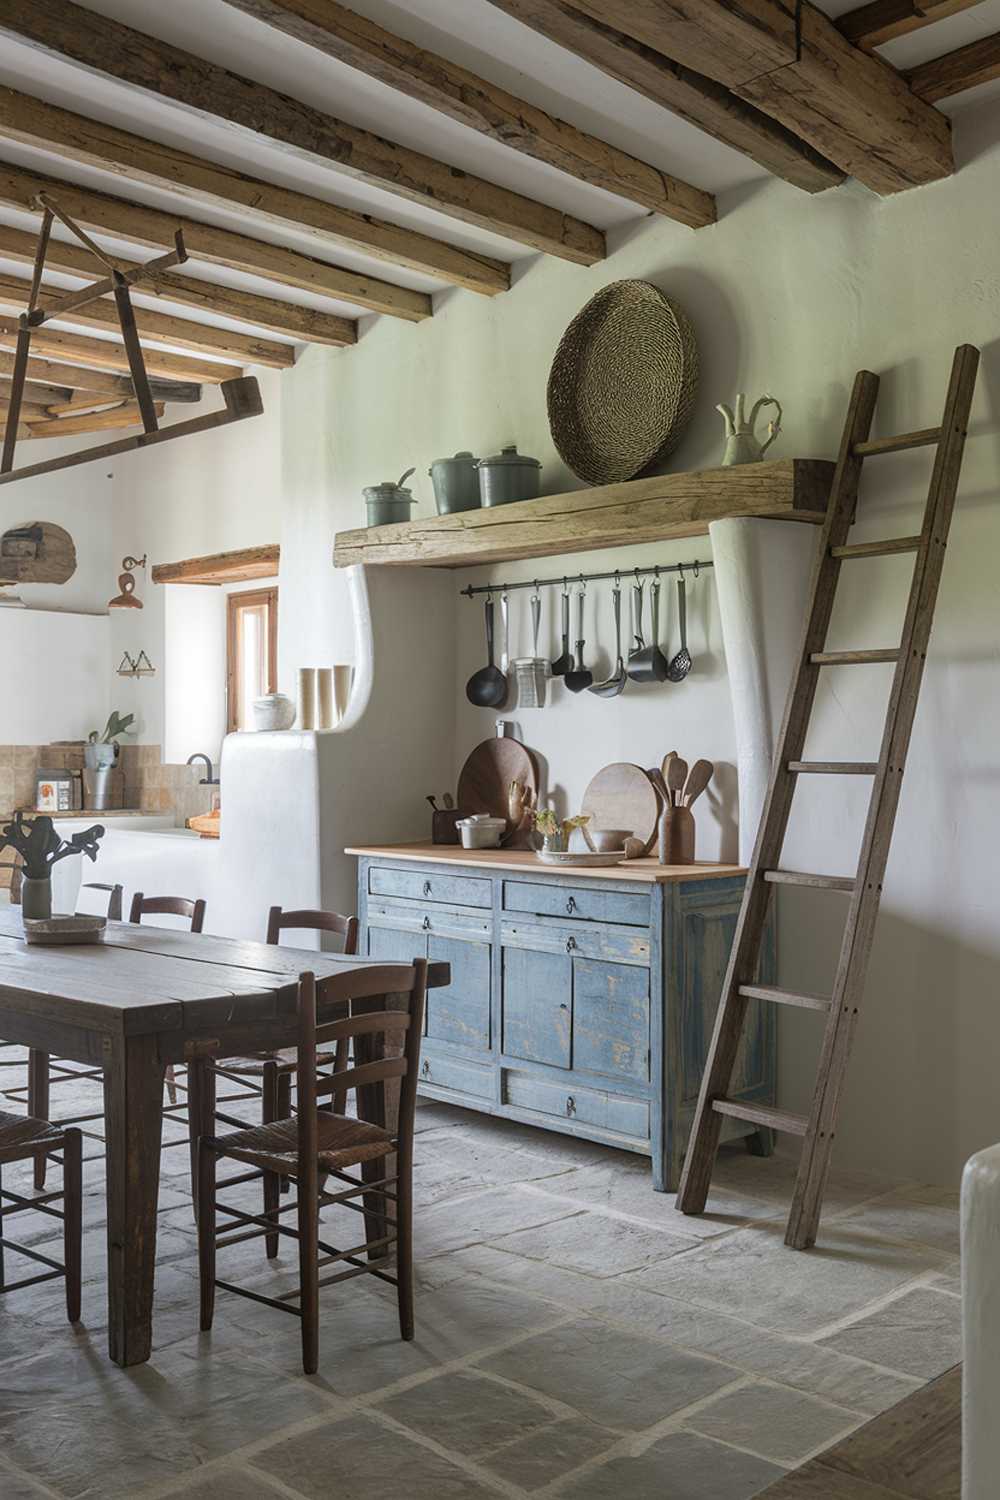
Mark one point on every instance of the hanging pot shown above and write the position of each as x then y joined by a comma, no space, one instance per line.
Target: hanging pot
388,502
508,476
456,483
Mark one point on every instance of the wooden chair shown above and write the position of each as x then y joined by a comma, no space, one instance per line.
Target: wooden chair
319,1143
168,906
275,1070
23,1138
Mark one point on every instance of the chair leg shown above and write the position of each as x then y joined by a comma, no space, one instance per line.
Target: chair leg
309,1272
284,1107
404,1239
38,1103
271,1182
3,1271
206,1233
73,1220
171,1080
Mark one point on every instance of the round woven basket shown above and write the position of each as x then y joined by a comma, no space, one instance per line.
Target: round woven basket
623,383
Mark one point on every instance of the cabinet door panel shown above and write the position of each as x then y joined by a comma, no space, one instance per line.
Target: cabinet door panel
460,1012
396,946
537,1006
611,1019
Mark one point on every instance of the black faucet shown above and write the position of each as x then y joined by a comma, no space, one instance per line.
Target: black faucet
208,780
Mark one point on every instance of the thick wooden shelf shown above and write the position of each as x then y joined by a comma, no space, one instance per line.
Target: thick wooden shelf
222,567
613,515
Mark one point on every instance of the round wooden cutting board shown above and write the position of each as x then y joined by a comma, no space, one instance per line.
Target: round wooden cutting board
487,774
622,796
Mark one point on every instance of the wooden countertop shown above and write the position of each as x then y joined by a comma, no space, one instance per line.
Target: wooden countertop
522,862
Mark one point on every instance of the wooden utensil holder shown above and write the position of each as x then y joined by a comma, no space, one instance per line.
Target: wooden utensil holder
677,836
444,825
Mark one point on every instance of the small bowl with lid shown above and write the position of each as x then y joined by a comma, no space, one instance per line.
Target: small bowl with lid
509,476
456,483
388,502
481,831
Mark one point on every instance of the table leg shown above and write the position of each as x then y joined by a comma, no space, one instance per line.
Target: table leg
133,1110
201,1083
38,1103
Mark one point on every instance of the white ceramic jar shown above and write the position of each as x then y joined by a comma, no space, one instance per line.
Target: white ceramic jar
274,711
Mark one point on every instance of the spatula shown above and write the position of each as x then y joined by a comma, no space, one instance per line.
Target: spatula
580,678
700,775
564,662
676,776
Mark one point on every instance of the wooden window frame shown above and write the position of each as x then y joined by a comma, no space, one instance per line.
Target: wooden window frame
243,599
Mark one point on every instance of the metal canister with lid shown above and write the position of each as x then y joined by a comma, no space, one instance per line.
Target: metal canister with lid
388,502
456,483
508,476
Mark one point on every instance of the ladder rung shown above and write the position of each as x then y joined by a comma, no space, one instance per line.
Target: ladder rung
784,997
878,549
796,877
833,767
898,444
762,1114
852,658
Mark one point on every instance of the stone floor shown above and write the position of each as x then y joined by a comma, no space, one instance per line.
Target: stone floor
576,1338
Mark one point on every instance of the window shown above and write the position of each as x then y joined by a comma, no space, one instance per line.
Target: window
252,654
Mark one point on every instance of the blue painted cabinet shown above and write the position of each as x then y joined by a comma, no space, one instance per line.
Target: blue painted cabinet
584,1007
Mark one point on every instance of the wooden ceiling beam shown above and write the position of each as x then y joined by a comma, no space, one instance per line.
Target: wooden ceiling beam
883,21
222,567
965,68
472,101
109,354
113,50
692,96
152,227
184,333
64,379
38,391
297,322
126,415
132,157
793,64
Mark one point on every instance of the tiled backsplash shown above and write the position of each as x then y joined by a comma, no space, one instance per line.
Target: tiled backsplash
149,785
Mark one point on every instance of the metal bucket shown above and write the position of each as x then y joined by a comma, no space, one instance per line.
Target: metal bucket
99,789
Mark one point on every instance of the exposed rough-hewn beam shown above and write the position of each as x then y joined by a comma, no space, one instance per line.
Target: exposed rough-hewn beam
39,392
23,118
691,95
115,50
64,378
109,354
142,225
297,322
126,415
482,106
965,68
221,567
792,63
882,21
183,333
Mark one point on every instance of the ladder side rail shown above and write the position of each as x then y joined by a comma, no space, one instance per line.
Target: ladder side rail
859,930
743,960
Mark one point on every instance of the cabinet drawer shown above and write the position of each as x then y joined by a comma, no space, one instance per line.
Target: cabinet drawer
615,1113
415,916
455,890
612,944
584,903
455,1073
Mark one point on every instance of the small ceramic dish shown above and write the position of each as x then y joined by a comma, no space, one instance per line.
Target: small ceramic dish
582,861
607,840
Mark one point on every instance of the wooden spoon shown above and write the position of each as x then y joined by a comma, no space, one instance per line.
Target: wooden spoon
677,772
701,774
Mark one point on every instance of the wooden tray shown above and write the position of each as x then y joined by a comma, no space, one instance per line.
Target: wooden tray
52,931
622,796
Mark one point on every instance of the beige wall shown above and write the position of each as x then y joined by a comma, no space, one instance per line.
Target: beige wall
787,293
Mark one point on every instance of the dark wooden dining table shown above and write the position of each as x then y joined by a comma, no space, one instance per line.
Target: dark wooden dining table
142,998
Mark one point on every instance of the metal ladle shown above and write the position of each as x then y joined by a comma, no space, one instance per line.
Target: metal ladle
681,664
613,685
487,688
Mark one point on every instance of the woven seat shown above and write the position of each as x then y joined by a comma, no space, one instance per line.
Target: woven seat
253,1065
31,1134
342,1142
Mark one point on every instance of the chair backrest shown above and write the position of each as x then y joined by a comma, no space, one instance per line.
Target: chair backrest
316,921
384,1022
168,906
114,893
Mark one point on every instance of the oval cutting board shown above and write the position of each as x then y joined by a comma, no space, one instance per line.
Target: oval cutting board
487,774
622,796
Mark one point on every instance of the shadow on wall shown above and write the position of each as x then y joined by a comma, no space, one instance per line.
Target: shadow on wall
923,1065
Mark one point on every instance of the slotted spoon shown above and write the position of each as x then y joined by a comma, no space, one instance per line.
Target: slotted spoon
681,664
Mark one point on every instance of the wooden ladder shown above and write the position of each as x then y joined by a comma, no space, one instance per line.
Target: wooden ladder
865,887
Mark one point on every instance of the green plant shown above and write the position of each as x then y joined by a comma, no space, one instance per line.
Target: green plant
40,847
117,724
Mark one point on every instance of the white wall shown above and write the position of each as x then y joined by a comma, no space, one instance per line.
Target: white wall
787,293
54,682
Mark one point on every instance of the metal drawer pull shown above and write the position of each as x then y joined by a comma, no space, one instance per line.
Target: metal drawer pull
571,906
427,887
425,924
570,944
571,1105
